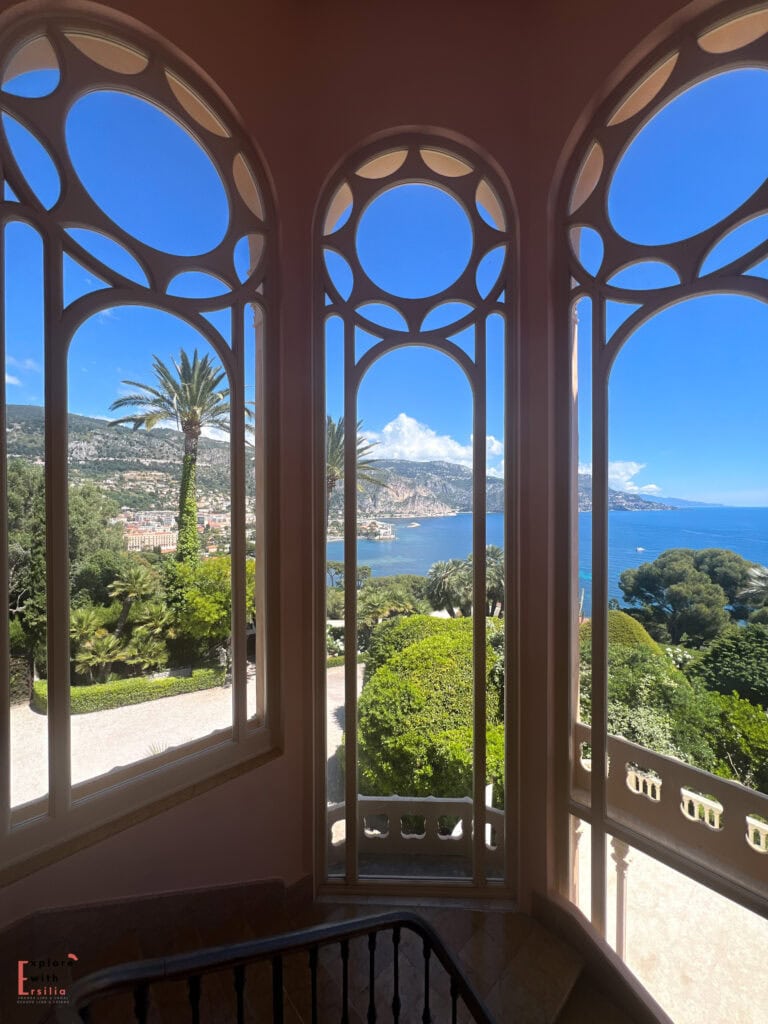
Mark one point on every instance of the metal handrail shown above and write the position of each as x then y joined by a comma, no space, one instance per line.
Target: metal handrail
140,975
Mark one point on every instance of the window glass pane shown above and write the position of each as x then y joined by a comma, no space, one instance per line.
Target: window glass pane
150,564
25,467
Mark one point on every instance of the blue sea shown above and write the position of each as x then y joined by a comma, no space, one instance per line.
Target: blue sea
633,538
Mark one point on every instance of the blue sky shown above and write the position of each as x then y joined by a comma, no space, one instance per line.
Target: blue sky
687,393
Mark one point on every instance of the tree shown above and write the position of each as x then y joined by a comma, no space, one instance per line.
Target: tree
755,592
736,662
135,583
675,599
367,472
190,394
449,586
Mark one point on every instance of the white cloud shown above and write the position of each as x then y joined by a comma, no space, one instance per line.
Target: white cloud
10,379
621,476
23,364
405,438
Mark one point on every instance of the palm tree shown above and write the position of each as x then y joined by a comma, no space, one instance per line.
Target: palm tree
190,394
135,582
756,590
367,472
449,585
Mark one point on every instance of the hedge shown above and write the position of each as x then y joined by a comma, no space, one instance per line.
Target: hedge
121,692
622,629
409,712
338,659
394,635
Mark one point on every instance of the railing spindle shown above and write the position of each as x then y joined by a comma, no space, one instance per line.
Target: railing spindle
277,989
141,1003
371,978
240,993
427,1015
396,993
454,1000
313,977
345,981
194,997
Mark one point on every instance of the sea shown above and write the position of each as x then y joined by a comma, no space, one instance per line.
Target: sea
633,538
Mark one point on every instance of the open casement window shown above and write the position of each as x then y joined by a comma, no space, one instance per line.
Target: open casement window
667,256
415,287
136,277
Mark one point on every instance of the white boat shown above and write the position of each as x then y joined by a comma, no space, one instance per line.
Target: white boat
410,526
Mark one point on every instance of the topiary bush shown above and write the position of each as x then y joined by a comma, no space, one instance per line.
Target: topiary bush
622,629
409,713
393,635
120,692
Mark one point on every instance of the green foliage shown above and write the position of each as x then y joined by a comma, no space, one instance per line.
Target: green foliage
418,695
188,543
622,629
334,605
651,702
200,600
394,635
682,595
740,739
736,661
451,759
119,693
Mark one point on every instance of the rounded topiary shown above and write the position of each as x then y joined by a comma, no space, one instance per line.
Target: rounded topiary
393,635
421,693
623,630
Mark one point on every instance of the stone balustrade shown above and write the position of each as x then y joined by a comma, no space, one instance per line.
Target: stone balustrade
433,827
718,824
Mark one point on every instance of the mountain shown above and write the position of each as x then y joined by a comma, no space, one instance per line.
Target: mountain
619,501
141,469
684,502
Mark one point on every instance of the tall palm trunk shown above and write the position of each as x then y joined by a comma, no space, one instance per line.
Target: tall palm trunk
187,545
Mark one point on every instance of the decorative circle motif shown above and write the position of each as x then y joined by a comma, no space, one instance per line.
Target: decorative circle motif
414,240
176,205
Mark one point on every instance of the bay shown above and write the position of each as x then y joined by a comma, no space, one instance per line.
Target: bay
633,538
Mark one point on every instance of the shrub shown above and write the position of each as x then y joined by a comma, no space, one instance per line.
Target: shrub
120,692
622,629
393,635
736,662
409,713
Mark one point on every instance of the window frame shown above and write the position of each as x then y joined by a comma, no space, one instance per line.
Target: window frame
69,817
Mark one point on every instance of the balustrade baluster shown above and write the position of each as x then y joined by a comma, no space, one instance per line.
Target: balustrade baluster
194,997
141,1003
277,989
396,992
427,1014
313,981
345,981
454,1001
240,993
371,977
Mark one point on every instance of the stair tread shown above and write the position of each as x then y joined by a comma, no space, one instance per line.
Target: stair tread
588,1003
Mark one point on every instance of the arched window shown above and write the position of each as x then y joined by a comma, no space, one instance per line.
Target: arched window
666,221
416,247
136,253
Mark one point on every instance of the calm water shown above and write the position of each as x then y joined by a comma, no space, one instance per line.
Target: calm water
744,530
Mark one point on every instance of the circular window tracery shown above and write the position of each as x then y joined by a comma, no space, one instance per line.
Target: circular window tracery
142,163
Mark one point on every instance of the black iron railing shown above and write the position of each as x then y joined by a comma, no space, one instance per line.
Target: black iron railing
139,977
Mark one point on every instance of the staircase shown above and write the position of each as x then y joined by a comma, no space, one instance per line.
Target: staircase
522,972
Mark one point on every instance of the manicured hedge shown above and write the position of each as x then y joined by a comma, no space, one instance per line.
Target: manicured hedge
120,692
409,713
394,635
622,629
338,659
